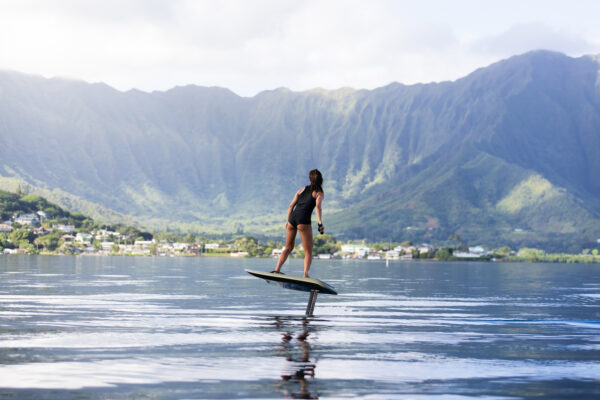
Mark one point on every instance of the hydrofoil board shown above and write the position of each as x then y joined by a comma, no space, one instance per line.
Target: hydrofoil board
294,282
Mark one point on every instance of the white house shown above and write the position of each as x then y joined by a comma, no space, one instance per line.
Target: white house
358,249
64,228
143,244
27,219
107,246
392,255
140,252
82,237
178,246
103,234
474,252
42,216
211,246
5,228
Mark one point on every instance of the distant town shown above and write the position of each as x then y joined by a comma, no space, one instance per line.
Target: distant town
49,229
71,240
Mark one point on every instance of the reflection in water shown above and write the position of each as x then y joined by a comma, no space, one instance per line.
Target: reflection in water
296,351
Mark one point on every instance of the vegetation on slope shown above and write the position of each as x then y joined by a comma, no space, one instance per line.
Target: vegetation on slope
420,161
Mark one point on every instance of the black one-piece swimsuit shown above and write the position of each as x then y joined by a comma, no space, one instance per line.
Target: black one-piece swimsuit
303,209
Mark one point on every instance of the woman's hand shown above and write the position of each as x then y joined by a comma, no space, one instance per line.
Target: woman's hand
321,229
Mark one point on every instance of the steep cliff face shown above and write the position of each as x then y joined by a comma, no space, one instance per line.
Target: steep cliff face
511,146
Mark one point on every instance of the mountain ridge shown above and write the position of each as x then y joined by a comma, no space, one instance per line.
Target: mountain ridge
208,158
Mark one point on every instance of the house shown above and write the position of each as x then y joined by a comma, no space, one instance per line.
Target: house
15,251
139,252
5,228
143,244
90,250
41,231
67,238
474,252
178,246
374,257
27,219
405,249
83,237
42,215
392,255
64,228
211,246
425,248
193,248
107,246
359,250
277,252
103,234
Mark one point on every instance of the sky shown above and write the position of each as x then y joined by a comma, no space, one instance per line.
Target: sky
255,45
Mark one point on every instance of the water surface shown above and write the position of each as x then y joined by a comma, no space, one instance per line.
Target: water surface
184,328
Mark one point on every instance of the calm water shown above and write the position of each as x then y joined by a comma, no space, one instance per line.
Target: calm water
185,328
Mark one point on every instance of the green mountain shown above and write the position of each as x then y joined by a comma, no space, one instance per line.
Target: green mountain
507,155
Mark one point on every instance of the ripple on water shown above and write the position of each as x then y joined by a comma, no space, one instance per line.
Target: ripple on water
145,323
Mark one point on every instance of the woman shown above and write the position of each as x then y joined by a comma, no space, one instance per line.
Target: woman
301,208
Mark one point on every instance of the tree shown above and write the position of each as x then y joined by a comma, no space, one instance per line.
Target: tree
595,252
5,242
239,228
444,254
153,249
21,234
168,237
530,254
458,239
48,242
267,251
248,244
324,244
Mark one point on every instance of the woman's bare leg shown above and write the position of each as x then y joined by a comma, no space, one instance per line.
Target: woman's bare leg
307,242
290,239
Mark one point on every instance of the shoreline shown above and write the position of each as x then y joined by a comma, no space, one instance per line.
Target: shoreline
548,259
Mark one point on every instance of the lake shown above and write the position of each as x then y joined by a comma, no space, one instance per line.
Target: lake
201,328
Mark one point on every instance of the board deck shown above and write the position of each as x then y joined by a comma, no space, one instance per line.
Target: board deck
294,282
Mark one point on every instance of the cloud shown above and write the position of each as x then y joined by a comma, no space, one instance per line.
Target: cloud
524,37
249,46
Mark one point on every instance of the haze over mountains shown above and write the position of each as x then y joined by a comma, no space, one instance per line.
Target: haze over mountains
509,154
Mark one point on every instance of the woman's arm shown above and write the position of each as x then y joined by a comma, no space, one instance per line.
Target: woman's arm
320,196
